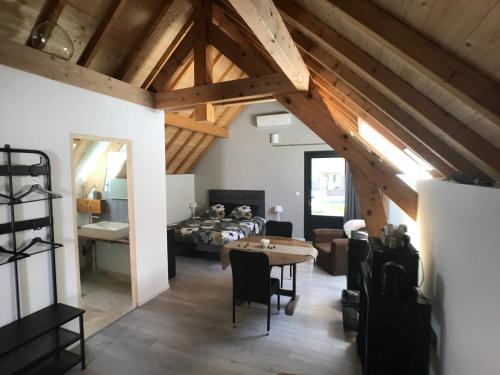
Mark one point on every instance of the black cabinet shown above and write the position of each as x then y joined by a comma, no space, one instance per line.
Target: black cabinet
172,250
394,333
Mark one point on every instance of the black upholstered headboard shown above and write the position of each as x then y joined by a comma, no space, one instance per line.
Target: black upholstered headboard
231,198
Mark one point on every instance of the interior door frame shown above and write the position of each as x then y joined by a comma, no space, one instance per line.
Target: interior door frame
308,221
131,213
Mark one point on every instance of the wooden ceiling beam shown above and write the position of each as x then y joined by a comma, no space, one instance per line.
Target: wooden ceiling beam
266,23
97,37
443,121
161,31
51,10
385,125
241,55
247,88
181,122
32,61
472,87
202,56
371,201
416,136
310,109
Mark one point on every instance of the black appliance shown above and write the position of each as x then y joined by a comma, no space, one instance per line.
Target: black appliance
380,255
394,280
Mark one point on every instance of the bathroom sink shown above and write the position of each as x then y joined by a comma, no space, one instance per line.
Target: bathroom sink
108,230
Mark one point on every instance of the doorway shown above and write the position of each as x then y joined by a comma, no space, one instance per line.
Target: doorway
324,191
102,181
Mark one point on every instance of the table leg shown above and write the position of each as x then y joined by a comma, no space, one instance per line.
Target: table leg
94,256
290,307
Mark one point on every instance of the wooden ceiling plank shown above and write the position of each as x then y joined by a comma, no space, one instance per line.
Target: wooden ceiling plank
474,88
183,32
266,23
188,156
443,121
202,57
249,88
95,41
182,122
32,61
172,162
51,10
310,111
159,34
181,57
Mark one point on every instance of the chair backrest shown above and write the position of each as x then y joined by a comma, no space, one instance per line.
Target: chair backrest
279,228
251,276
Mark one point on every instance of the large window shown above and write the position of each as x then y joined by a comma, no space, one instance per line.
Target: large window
328,186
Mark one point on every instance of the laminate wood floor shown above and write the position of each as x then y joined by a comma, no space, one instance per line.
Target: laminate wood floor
188,330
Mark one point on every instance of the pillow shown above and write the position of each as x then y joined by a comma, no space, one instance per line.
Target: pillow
215,212
353,225
242,213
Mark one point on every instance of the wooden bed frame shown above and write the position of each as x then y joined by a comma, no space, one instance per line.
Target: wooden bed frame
254,198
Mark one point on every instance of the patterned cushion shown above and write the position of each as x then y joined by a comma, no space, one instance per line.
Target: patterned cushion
242,213
215,212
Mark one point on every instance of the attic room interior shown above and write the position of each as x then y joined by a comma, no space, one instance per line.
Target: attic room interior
249,187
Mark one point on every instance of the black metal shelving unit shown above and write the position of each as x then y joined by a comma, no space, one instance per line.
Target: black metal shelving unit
36,343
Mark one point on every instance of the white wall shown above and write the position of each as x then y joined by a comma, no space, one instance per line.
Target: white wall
248,161
42,114
459,229
180,191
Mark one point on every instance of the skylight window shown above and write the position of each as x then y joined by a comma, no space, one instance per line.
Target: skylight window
413,167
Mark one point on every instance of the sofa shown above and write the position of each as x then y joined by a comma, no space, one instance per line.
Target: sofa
332,247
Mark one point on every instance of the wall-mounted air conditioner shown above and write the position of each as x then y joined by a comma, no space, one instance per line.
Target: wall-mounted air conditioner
280,119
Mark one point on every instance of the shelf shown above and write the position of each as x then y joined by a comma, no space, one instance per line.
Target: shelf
45,346
57,365
18,333
32,224
8,258
27,201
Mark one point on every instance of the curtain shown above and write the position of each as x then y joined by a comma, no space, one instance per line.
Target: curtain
352,208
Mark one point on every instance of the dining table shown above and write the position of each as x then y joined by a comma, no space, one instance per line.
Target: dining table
281,251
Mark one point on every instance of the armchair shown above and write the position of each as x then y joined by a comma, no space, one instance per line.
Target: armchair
332,250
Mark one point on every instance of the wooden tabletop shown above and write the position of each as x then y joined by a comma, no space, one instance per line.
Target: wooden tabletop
275,258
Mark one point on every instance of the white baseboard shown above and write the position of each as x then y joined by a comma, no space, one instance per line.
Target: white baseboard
154,295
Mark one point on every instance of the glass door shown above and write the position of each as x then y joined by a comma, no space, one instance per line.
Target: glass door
324,191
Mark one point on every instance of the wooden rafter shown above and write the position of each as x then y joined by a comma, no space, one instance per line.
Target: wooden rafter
224,92
51,10
181,57
465,82
181,35
310,109
370,199
95,41
181,122
162,30
202,57
30,60
266,23
443,121
394,120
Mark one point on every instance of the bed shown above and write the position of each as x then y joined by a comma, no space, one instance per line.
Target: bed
210,234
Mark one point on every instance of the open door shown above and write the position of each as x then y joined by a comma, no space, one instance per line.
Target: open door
324,191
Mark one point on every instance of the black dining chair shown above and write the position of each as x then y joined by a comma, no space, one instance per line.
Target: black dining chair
252,280
282,229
